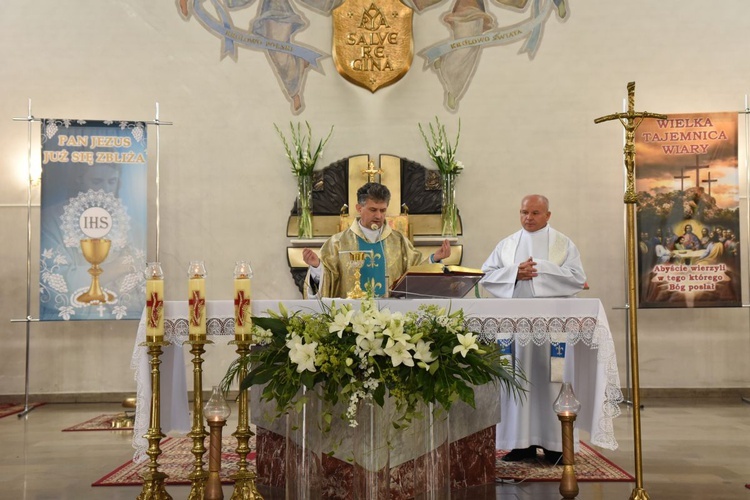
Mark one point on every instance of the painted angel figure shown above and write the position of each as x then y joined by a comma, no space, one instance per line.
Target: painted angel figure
455,69
277,20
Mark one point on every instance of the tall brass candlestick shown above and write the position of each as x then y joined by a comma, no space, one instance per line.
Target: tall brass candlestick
199,475
631,120
213,484
216,411
244,479
153,479
567,406
568,482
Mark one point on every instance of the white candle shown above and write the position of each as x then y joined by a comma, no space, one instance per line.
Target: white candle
154,302
197,301
243,325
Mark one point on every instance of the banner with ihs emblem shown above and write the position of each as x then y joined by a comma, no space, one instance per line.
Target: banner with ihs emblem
93,220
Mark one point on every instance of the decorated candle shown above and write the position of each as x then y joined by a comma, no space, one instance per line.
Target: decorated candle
154,302
197,300
243,324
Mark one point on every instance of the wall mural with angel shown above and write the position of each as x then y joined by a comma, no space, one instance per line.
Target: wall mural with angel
471,26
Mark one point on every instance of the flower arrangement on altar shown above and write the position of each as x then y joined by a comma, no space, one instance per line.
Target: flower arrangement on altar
443,153
303,160
353,352
440,149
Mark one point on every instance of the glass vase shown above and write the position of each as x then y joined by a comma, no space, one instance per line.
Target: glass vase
435,480
303,467
449,210
304,206
372,474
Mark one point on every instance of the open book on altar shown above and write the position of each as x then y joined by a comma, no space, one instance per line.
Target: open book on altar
436,280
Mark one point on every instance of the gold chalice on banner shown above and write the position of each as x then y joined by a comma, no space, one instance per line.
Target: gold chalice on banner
95,251
356,261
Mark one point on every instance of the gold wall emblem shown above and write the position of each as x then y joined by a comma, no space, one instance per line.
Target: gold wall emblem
373,44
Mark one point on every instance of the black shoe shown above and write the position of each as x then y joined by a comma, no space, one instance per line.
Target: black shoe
518,454
552,457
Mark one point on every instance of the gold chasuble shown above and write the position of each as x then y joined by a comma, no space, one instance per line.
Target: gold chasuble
392,252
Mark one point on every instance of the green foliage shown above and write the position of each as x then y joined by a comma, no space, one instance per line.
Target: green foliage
442,152
301,156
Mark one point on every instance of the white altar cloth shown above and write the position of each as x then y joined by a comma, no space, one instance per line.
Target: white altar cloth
582,323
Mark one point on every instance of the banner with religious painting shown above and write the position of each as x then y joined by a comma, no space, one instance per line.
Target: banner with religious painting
688,211
93,220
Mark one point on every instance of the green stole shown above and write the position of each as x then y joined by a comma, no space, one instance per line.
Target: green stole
373,271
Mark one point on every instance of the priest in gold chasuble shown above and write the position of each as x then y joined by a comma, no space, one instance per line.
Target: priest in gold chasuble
390,253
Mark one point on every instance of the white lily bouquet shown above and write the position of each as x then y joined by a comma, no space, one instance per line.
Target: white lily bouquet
349,353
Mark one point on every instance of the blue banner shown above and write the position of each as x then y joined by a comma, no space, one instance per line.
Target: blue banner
93,220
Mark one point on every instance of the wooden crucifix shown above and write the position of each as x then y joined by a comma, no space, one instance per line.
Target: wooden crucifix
682,178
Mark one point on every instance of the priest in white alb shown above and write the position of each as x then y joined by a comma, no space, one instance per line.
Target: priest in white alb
536,261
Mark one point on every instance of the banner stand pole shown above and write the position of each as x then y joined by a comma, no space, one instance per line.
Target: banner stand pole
28,320
158,124
746,112
628,401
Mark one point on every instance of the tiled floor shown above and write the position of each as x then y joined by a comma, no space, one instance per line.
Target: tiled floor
691,450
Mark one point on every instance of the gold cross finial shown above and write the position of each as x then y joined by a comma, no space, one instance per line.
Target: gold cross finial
630,120
371,171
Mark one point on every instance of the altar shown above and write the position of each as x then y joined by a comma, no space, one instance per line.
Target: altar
590,359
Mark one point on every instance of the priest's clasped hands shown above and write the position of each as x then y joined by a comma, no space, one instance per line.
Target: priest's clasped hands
527,270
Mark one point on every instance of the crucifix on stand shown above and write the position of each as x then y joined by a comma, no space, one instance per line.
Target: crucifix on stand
631,120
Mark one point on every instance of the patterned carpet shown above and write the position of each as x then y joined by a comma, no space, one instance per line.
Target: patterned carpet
590,466
177,462
108,422
11,409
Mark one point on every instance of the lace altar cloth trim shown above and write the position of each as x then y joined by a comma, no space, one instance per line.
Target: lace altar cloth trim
524,330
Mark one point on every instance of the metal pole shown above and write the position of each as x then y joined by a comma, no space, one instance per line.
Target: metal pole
746,112
29,119
627,401
158,124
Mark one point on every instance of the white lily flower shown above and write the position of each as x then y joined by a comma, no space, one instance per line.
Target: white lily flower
340,322
467,343
399,353
423,353
303,355
362,324
370,346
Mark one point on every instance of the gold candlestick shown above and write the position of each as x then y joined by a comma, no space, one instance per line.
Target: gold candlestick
244,479
568,482
153,479
630,121
213,489
216,411
567,406
199,475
